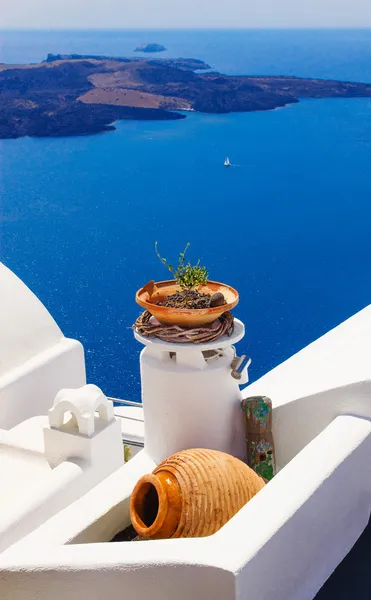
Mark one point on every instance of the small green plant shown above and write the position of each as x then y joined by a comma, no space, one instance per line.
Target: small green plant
187,276
127,453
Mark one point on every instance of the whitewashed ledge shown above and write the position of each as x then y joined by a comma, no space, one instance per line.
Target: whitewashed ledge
330,377
282,545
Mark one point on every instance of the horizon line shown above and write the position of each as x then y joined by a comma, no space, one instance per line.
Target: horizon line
195,28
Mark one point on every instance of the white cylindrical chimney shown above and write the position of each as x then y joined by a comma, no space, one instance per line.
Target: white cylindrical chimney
190,399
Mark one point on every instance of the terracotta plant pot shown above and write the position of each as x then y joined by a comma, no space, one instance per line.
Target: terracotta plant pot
152,292
191,494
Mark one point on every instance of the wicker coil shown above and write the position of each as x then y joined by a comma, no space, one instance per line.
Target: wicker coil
175,334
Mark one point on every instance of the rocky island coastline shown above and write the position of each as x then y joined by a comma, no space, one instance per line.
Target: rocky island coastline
85,94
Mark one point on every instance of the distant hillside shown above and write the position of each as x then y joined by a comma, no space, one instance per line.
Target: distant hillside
80,94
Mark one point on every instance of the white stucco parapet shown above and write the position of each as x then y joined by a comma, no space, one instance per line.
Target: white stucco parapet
36,360
330,377
282,545
47,463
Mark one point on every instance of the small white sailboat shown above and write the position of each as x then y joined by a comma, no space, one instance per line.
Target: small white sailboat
227,162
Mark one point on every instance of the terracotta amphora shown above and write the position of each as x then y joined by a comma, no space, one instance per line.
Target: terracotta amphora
191,494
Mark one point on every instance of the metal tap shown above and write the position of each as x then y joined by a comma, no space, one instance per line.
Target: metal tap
239,364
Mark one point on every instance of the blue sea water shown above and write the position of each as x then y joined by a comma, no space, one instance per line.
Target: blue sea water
289,225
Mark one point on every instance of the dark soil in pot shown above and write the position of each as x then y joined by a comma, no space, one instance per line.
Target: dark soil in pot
193,299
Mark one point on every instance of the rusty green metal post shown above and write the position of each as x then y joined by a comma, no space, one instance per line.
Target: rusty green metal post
258,413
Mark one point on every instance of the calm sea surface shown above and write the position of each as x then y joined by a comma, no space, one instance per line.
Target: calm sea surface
289,225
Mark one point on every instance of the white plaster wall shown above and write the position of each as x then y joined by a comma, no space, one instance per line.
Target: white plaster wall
54,491
43,470
307,519
29,389
26,326
295,424
282,545
36,360
28,435
158,581
331,376
98,515
103,450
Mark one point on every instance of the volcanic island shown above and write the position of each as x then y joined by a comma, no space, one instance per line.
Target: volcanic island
84,94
